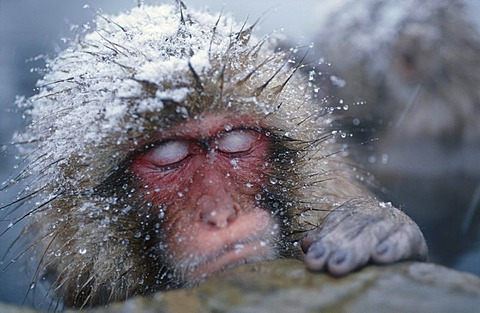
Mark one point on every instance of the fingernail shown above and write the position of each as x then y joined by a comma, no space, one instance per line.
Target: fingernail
317,251
340,257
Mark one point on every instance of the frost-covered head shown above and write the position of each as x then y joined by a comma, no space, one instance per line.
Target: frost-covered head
143,71
366,30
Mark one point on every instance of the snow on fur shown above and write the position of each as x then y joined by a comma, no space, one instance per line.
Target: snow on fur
112,82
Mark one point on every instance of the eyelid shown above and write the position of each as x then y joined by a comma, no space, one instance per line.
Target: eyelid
169,152
236,141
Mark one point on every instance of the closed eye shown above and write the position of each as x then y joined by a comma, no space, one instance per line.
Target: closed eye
237,141
168,153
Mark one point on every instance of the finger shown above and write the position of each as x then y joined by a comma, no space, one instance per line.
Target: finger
406,243
345,261
317,256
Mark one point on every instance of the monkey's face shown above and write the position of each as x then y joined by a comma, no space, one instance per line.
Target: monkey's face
206,178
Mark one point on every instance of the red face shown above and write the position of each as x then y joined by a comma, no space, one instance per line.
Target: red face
207,176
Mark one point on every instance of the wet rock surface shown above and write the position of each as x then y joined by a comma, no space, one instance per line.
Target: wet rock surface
285,286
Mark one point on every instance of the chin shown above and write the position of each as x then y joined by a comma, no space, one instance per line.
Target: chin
196,269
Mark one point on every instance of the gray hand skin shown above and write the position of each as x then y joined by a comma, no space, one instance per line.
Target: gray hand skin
359,232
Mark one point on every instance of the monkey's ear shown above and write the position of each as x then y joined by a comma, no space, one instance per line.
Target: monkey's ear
363,231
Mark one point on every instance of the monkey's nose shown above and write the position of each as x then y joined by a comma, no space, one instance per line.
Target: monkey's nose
215,214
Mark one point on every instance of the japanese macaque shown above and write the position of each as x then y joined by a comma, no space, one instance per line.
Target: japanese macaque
410,67
169,144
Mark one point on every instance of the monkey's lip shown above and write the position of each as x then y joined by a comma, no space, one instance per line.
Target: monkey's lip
248,250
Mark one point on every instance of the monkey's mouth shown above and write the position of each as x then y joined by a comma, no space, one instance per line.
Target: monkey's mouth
249,250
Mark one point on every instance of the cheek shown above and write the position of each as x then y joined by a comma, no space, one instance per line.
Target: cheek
251,168
248,174
159,188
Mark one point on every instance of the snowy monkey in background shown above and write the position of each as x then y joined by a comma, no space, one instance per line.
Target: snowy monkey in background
169,144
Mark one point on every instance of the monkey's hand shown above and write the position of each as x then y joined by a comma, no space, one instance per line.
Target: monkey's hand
359,232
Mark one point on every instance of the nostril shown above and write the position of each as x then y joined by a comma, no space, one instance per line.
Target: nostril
232,217
236,208
220,217
209,217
